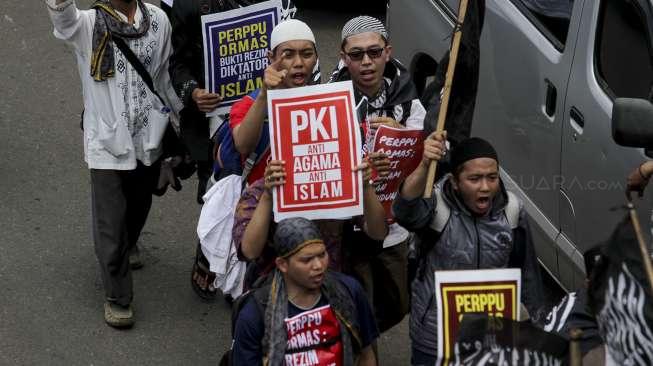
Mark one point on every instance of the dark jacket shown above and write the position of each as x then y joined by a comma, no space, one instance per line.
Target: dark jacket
401,91
466,242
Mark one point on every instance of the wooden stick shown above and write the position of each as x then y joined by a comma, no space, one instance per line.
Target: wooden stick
575,355
444,105
646,256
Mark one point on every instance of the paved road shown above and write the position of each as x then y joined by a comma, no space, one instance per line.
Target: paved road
51,303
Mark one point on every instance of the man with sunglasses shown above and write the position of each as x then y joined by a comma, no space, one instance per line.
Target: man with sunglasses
385,95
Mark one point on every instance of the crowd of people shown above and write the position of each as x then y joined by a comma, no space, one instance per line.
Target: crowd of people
319,290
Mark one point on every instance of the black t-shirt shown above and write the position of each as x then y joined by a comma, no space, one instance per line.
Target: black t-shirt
249,331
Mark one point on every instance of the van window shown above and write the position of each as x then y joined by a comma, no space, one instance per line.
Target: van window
623,52
550,16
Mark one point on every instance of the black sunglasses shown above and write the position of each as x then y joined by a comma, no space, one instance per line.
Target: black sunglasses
359,54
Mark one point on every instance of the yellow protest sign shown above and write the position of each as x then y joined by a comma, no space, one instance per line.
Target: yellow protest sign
495,292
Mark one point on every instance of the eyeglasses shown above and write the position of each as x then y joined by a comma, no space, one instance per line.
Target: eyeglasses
372,53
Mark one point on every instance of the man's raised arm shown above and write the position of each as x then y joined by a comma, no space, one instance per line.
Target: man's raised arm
70,24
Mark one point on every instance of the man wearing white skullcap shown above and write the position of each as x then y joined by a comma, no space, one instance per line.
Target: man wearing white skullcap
293,57
291,30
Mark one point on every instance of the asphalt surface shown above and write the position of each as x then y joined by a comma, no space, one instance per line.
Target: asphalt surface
51,293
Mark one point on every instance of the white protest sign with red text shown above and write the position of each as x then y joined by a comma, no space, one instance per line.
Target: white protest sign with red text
404,147
315,131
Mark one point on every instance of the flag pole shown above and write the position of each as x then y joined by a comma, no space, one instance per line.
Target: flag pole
646,256
444,105
575,355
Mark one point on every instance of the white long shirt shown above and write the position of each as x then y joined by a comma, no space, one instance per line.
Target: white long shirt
122,118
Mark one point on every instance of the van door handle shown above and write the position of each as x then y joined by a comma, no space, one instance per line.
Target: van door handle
577,121
551,98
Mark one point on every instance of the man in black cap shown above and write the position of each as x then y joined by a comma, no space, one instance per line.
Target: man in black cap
304,314
471,222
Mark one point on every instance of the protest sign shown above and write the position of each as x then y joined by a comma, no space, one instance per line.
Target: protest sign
404,147
315,131
495,292
236,43
488,340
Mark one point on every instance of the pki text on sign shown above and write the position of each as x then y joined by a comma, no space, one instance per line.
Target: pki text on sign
315,132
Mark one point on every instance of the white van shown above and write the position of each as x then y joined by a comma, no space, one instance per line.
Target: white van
550,71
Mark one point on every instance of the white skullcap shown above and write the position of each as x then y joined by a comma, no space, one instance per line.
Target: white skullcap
290,30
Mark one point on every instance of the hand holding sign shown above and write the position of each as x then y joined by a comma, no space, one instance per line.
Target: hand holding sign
378,162
274,74
375,122
275,174
397,152
434,147
314,130
205,101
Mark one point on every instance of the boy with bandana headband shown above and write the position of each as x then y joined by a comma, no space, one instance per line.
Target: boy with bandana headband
304,314
122,145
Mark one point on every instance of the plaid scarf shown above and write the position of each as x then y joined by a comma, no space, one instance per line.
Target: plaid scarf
275,338
107,24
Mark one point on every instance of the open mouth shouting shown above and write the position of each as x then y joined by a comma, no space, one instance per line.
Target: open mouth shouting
482,204
298,78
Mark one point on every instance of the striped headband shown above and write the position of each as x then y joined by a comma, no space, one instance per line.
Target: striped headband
293,234
364,24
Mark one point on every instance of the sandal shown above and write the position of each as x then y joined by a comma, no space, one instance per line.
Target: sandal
201,270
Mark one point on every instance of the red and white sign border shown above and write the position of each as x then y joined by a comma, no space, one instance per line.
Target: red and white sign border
355,151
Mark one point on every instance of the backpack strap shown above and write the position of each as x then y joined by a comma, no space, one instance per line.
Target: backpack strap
442,212
251,160
137,65
513,207
258,294
255,157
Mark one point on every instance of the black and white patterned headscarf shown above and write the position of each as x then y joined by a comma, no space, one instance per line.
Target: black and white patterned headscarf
364,24
294,234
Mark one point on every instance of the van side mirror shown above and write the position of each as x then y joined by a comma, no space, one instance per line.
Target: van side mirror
632,122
